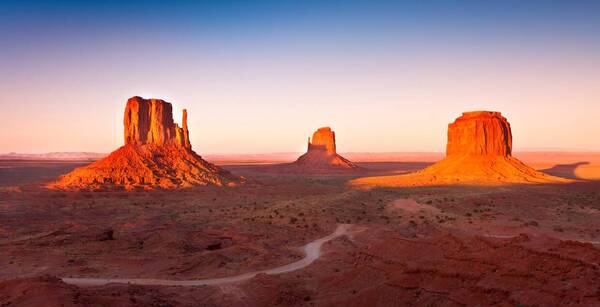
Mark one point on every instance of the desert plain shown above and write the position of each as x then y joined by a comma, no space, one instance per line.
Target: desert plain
505,245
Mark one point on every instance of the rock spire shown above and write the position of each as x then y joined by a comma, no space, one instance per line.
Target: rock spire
157,154
150,121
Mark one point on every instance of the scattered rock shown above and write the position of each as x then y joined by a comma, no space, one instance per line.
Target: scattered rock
214,246
106,235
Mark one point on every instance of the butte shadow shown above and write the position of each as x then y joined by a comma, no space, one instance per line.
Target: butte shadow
157,154
566,170
478,152
321,158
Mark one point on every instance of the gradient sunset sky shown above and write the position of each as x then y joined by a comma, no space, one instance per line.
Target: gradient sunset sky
259,77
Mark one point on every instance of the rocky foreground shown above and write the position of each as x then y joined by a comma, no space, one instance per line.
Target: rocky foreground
527,245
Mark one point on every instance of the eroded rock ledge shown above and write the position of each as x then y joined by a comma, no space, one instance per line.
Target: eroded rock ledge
157,154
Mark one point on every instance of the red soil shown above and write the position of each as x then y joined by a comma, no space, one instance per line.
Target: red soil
529,245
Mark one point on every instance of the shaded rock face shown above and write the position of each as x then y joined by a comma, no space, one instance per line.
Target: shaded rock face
157,154
479,133
321,155
150,121
479,152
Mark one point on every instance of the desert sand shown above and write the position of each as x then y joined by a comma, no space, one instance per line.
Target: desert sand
533,244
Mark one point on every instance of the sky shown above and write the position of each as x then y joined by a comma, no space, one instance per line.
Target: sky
261,76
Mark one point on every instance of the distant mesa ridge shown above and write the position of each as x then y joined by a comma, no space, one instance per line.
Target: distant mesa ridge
479,152
157,154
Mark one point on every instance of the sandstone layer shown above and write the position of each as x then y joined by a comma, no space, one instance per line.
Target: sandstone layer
481,134
157,154
150,121
478,152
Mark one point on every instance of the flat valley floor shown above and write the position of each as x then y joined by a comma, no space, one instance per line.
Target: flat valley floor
518,245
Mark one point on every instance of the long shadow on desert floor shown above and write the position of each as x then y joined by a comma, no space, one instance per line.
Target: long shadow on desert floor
369,169
21,172
565,170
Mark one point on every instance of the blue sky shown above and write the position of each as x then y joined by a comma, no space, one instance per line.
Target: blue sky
260,76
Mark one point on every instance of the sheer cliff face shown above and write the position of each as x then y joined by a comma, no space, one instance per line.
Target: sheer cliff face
479,133
479,152
157,154
323,140
150,121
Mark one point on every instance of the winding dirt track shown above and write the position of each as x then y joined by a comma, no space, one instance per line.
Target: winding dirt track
312,252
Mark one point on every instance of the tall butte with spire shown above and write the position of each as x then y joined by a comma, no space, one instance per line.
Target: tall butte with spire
157,154
478,152
150,121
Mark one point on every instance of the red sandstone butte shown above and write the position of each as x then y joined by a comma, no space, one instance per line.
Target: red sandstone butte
479,152
321,154
157,154
323,139
479,134
150,121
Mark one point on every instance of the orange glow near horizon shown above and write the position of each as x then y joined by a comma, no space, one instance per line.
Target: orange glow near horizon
369,112
252,87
